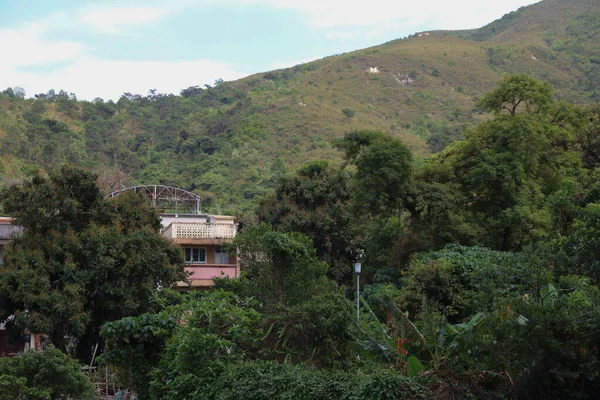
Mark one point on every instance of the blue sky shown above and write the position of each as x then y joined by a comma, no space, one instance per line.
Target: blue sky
106,48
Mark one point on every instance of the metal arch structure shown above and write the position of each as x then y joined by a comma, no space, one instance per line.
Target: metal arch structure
167,199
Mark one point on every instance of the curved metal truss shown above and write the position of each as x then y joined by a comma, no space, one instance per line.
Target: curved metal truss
167,199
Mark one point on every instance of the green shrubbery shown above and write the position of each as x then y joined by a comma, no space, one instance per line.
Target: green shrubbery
260,380
43,375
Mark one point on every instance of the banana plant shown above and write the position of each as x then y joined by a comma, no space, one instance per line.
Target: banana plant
428,346
435,340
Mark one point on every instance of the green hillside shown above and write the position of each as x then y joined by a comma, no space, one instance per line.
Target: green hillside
231,142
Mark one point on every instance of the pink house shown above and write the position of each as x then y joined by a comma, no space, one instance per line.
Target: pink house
202,237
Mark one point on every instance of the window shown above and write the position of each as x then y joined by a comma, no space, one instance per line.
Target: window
27,342
194,255
221,256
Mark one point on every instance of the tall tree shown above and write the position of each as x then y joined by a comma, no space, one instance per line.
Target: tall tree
81,260
315,202
383,171
508,166
519,92
280,269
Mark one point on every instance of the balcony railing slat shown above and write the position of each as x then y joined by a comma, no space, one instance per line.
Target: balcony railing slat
194,230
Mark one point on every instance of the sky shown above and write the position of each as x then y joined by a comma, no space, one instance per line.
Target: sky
107,48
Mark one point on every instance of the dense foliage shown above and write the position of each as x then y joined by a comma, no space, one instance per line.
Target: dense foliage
479,278
43,375
81,259
481,263
315,202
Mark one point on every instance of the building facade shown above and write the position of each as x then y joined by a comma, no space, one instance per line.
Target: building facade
203,238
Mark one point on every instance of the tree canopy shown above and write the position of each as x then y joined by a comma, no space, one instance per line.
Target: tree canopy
81,259
315,202
518,92
480,271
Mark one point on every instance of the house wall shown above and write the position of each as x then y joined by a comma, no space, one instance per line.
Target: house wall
200,272
201,275
210,253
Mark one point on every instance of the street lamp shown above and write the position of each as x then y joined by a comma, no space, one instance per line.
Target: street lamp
357,267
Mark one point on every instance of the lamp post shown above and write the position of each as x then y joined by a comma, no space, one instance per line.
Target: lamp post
357,267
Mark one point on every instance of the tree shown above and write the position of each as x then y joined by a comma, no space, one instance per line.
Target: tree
315,202
43,375
81,260
279,269
588,139
383,177
380,190
508,166
185,346
518,92
579,251
384,171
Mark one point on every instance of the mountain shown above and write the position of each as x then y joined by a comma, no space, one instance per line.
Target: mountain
232,141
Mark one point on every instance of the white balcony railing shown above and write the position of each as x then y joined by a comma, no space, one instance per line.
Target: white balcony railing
196,230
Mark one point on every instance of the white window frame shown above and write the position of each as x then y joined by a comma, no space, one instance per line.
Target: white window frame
188,255
221,250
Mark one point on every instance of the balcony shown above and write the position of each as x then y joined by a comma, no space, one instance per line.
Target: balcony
200,230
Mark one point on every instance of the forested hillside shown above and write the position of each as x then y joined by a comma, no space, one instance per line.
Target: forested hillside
479,278
461,169
231,142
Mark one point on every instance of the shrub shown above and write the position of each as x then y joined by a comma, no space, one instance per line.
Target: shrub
548,346
260,380
43,375
460,281
348,112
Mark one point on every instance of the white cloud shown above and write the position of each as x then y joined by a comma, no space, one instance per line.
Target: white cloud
89,78
337,34
375,16
25,46
112,20
26,49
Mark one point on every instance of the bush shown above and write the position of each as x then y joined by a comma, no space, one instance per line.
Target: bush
348,112
548,347
460,281
260,380
316,331
43,375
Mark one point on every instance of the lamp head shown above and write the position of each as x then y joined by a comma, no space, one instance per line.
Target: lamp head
357,268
